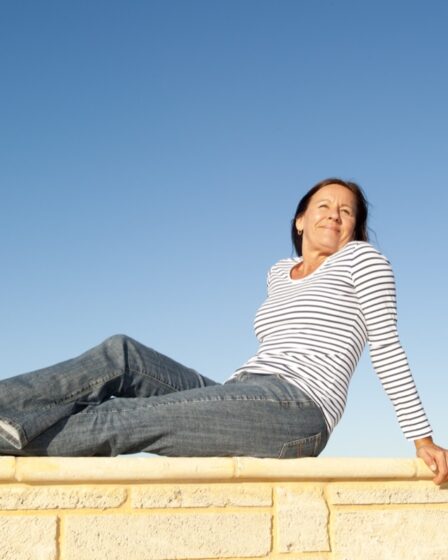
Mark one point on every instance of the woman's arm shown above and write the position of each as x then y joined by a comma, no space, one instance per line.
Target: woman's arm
435,457
375,284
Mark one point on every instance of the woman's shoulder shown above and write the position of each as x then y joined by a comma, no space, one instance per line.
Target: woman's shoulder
363,249
288,261
353,252
367,259
284,264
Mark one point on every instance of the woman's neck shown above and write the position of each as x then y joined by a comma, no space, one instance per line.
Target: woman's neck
311,261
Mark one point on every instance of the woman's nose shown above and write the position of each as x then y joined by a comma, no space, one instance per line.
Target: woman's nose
335,214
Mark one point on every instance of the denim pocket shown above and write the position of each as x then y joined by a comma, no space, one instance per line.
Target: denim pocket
303,447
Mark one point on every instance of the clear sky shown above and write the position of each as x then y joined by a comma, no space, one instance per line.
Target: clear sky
153,153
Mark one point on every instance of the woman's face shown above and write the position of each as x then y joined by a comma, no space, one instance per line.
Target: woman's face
329,221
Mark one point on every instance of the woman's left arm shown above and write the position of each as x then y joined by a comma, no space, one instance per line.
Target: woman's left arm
435,457
375,286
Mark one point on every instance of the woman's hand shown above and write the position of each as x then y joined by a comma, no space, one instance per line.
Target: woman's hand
435,457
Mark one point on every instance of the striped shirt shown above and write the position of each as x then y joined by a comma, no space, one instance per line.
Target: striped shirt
312,332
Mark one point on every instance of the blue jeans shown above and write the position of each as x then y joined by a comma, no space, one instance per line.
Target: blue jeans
122,397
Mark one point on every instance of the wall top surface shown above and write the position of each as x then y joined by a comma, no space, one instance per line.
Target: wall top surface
138,469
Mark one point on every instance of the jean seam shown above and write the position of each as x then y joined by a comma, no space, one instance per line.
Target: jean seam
301,442
84,389
185,402
317,443
152,376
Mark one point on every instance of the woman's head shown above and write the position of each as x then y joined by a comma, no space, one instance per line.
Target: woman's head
330,215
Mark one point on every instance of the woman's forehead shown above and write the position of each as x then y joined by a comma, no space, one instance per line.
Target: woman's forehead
335,191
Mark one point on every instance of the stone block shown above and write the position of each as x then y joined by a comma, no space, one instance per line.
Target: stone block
28,537
392,534
114,469
7,468
387,493
146,536
60,497
302,520
325,468
201,495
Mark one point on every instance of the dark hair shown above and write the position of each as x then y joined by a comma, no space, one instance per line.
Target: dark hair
360,233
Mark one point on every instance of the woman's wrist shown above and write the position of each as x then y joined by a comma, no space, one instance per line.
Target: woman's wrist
421,442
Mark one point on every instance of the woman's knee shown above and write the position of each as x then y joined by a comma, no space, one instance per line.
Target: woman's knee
114,351
120,348
116,341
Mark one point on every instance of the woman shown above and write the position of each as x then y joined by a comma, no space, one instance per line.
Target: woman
122,397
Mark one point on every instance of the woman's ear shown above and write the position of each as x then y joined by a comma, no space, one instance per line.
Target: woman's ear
299,224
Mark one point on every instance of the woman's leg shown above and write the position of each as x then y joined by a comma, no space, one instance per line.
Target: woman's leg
258,415
120,367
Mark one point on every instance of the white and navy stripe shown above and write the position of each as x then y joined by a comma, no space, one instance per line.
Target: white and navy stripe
312,332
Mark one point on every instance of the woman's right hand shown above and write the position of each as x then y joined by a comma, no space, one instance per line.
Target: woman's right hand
435,457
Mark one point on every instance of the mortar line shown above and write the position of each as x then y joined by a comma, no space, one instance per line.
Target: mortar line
330,517
274,520
440,506
59,536
127,504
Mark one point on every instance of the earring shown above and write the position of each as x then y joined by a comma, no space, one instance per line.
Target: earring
300,231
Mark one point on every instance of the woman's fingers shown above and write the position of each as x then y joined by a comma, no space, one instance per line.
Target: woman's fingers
437,460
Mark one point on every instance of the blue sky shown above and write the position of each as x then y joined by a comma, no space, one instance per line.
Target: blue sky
152,154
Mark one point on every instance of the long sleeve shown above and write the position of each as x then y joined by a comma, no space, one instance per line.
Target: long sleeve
374,284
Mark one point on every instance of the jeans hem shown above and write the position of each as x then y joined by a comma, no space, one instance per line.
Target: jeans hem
20,440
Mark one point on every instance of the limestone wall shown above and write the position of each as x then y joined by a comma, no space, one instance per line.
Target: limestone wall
158,508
